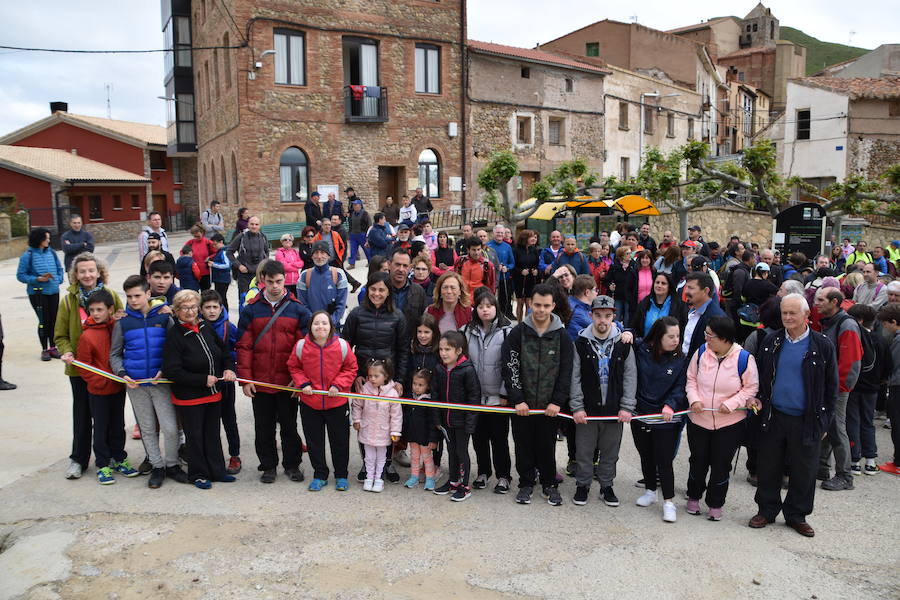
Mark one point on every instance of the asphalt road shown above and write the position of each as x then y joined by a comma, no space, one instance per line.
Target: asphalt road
247,540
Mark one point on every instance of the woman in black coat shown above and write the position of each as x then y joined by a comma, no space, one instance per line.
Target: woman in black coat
620,281
195,359
526,274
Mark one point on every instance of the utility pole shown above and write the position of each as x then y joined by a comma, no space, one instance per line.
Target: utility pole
108,87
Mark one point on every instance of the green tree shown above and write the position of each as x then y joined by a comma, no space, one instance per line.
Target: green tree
494,179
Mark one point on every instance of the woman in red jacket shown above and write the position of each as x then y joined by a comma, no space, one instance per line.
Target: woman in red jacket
202,250
324,361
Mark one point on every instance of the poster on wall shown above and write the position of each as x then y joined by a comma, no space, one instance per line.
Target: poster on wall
566,226
324,190
585,229
800,228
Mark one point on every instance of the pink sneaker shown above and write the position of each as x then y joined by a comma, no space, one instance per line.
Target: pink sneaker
715,514
693,507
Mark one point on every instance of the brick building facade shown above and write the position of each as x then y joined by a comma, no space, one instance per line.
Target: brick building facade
278,118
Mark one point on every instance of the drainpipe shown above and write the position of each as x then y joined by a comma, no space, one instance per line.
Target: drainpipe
464,81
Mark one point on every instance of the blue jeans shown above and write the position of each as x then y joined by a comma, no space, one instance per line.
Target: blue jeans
357,241
622,312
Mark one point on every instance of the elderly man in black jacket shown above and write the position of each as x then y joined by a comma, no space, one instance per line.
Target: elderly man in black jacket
798,388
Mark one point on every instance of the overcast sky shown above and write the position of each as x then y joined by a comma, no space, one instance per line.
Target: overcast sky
32,79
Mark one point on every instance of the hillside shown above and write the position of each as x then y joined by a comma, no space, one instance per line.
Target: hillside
820,54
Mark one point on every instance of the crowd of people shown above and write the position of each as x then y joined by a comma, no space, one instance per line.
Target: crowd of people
790,359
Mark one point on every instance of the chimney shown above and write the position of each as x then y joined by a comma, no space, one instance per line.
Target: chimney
59,106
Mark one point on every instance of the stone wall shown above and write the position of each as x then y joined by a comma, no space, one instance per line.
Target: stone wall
114,232
719,223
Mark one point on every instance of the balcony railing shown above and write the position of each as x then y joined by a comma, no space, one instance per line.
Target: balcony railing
362,105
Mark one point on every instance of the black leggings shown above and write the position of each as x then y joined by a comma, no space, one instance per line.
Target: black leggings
222,288
656,445
459,464
45,307
712,451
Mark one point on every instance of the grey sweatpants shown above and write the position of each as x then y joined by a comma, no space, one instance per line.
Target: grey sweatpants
152,406
606,437
838,441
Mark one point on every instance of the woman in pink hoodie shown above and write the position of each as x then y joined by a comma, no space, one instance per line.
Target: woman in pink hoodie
293,264
721,381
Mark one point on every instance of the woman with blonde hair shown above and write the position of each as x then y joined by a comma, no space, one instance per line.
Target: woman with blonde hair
451,306
87,275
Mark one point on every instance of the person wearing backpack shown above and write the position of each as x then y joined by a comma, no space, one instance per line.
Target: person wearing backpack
323,287
721,376
876,367
843,331
870,291
735,280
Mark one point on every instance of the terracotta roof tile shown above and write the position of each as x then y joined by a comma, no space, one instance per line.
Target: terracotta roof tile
150,134
532,55
871,88
62,166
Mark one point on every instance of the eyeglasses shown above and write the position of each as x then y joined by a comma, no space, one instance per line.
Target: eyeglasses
708,335
192,308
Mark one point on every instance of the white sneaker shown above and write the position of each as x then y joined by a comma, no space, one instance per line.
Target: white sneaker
74,470
378,486
669,511
649,497
402,458
367,485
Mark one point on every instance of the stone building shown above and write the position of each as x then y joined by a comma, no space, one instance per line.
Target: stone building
546,108
641,111
751,48
662,56
362,93
744,113
835,127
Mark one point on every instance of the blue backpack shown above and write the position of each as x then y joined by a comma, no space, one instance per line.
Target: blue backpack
743,359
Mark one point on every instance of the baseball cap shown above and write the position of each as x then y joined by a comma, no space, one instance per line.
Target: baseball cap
403,228
762,267
603,302
697,262
694,228
688,244
153,236
314,194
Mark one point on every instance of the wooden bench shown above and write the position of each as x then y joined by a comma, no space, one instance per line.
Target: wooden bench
274,231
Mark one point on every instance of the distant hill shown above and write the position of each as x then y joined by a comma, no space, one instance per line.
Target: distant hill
820,54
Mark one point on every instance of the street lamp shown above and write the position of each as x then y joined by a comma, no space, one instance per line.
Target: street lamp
643,118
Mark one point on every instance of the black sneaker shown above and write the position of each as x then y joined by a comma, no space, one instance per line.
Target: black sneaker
445,489
145,466
480,482
177,473
609,496
361,476
753,480
157,476
581,495
502,486
570,468
5,385
391,474
552,496
295,474
524,495
462,493
268,476
640,483
837,483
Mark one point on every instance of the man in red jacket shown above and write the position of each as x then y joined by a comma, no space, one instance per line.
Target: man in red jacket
269,327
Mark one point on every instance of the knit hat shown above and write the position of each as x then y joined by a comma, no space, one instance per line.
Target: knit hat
320,246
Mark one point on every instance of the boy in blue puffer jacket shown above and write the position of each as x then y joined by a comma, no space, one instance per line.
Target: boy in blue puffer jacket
136,353
215,314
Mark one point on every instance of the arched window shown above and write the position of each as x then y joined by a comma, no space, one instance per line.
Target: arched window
430,173
294,170
224,174
213,193
234,178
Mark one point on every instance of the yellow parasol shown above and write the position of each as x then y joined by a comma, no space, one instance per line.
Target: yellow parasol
628,205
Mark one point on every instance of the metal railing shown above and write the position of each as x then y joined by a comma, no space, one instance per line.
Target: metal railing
359,107
452,219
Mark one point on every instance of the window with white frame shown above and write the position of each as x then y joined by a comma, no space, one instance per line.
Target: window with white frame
428,70
290,63
294,173
747,109
524,129
430,173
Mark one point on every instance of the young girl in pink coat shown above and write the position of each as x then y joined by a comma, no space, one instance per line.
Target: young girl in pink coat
378,423
293,264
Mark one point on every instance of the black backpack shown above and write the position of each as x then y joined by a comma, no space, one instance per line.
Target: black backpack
870,352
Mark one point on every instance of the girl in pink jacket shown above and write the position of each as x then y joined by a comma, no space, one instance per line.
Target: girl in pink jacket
721,376
293,264
378,423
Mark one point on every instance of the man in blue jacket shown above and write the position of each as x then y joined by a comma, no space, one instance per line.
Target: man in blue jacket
572,256
76,240
549,254
323,287
379,239
507,263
